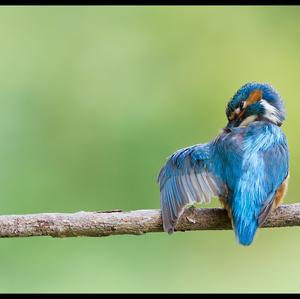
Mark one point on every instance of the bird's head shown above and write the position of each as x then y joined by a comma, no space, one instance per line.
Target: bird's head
255,102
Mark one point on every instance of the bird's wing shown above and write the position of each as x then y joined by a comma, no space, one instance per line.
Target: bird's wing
186,178
276,163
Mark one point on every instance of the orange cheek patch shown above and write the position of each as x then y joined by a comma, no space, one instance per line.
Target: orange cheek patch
255,96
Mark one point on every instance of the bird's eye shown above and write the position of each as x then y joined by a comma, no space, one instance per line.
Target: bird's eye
241,106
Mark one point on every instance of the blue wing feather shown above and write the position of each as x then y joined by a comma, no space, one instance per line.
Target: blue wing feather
276,163
186,178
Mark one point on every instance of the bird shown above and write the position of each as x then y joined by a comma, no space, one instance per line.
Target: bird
246,166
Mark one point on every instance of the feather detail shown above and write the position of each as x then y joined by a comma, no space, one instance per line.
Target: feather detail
186,179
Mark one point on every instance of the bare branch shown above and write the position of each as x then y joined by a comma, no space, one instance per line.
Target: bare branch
106,223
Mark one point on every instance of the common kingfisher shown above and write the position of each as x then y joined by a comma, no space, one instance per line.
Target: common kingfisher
246,166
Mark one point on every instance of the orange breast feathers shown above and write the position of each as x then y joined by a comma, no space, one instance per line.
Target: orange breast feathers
280,193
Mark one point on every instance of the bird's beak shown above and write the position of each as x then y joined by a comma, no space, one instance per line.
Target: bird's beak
230,125
233,123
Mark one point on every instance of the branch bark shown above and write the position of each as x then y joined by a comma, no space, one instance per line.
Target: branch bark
106,223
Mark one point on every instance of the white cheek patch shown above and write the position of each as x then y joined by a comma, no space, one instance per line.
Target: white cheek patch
271,113
248,120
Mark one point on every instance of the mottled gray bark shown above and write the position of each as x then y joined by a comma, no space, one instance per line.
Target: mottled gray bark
106,223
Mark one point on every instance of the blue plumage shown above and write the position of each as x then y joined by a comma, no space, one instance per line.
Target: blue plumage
246,166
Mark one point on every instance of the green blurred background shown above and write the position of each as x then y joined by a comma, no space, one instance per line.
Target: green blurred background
93,100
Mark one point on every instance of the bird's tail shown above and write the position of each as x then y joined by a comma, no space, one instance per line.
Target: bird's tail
245,231
244,219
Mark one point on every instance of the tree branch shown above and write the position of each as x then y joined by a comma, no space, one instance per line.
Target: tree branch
106,223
